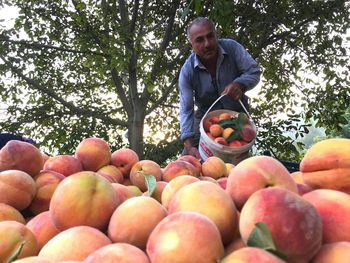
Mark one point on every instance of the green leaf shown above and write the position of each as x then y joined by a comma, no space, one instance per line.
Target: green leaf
197,6
233,136
229,123
15,255
150,183
261,237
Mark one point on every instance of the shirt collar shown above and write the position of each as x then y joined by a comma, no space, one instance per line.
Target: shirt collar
198,63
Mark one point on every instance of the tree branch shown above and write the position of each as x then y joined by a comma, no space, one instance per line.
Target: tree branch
165,95
276,37
44,46
78,111
164,44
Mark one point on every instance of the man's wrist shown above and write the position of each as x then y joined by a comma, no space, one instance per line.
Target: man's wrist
188,142
242,87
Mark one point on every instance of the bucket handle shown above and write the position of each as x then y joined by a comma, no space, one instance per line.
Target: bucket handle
244,108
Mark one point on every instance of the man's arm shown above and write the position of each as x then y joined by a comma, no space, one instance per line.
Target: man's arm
187,111
248,68
189,149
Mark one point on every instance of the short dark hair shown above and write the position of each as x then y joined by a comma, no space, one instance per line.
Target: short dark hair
198,21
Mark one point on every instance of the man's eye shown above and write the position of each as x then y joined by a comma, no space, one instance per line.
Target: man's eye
198,40
211,35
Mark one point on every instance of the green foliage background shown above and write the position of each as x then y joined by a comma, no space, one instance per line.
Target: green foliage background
76,69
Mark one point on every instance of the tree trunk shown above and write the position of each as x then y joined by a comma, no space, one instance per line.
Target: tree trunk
135,131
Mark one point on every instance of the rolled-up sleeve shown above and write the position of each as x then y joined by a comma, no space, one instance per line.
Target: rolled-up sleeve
186,103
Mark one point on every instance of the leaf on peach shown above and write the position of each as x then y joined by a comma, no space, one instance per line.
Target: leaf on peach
150,183
261,237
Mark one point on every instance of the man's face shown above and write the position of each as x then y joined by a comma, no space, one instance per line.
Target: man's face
203,41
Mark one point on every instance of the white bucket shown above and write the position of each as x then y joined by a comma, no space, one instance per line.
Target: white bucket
207,147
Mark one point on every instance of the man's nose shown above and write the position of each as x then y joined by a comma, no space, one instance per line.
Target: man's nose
206,42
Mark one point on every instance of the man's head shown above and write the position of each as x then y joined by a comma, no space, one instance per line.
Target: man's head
202,38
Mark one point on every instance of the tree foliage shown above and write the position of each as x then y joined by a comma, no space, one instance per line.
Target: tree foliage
75,69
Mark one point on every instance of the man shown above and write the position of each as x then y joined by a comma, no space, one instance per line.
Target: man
215,67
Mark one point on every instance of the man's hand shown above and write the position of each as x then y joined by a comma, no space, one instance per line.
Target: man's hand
194,152
234,90
190,150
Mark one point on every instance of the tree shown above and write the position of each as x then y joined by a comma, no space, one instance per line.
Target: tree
104,68
302,48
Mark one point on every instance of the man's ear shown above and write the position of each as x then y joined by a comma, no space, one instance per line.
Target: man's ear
189,44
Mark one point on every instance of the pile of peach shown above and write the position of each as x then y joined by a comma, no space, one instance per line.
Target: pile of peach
101,206
229,130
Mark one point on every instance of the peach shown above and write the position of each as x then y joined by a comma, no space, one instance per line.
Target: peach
45,157
215,130
113,172
255,173
134,220
236,244
251,255
203,197
34,259
63,164
17,188
75,243
42,227
123,192
93,153
326,165
298,177
126,181
46,183
214,167
142,168
119,252
248,133
303,188
134,190
221,140
337,252
222,181
243,142
294,223
334,208
225,116
229,167
12,235
174,185
83,198
9,213
206,125
235,143
106,177
176,239
208,178
327,154
194,161
124,159
157,194
227,132
178,168
214,119
23,156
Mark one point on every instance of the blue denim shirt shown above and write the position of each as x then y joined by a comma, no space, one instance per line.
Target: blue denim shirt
197,88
